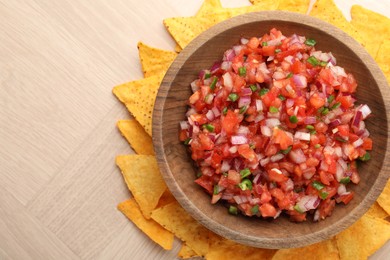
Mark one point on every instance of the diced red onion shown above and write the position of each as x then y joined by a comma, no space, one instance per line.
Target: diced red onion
210,115
195,129
310,120
308,174
339,172
289,59
227,81
227,196
216,66
226,65
357,118
256,178
237,49
266,131
332,59
259,105
299,56
289,185
278,75
194,86
270,58
316,215
216,197
233,149
209,99
289,102
273,115
244,40
296,110
225,166
324,166
365,111
258,118
246,92
229,55
238,139
184,125
244,101
263,68
273,42
272,122
277,157
201,74
302,136
239,199
243,130
341,189
308,202
342,163
339,71
264,161
297,156
216,112
334,123
338,151
190,112
357,143
300,81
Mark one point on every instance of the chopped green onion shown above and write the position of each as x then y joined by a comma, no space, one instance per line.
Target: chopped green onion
365,157
246,184
208,127
278,50
298,209
310,42
263,91
233,210
281,97
273,109
187,141
337,105
255,209
310,127
233,97
313,61
213,83
242,71
216,189
286,151
317,146
325,111
338,138
323,63
243,109
252,146
253,88
317,185
313,132
289,75
207,75
345,180
245,173
330,99
323,195
320,110
293,119
264,44
224,110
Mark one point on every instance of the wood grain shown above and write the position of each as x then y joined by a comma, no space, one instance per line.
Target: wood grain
176,165
59,184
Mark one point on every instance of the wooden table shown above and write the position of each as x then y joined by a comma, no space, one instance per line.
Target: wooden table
59,60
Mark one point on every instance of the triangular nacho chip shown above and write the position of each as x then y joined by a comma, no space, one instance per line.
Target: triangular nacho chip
372,26
297,6
384,198
363,238
209,6
150,227
135,134
186,252
383,60
377,211
143,179
174,218
154,61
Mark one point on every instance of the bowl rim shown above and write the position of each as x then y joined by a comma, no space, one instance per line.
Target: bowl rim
179,194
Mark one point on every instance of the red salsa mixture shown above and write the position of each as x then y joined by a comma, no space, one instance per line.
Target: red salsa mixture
273,128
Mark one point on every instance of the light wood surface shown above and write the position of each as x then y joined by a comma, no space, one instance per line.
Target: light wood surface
59,186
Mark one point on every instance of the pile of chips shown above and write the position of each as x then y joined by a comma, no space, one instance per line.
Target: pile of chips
155,211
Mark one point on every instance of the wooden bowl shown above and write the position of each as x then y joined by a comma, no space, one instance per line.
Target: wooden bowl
176,164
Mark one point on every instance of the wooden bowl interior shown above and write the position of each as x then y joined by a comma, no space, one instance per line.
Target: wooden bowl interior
180,173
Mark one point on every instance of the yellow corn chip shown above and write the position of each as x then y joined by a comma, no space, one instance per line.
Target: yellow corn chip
328,11
384,198
174,218
324,250
135,134
209,6
178,48
186,252
150,227
165,199
298,6
154,61
383,60
363,238
372,26
143,179
221,248
377,211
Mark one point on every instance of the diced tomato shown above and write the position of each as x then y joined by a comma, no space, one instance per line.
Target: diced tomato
345,198
316,101
267,210
276,175
367,143
234,177
282,138
269,50
206,183
245,151
230,122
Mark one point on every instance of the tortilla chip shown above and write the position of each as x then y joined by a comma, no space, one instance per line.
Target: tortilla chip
143,179
363,238
383,60
150,227
135,134
221,249
178,49
208,7
174,218
297,6
377,211
186,252
329,12
384,198
154,61
324,250
165,199
372,26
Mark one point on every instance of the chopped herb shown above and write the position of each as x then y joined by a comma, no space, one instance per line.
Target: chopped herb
313,132
330,99
298,209
320,110
187,141
246,184
252,146
281,97
365,157
263,91
337,105
310,42
317,185
273,109
293,119
310,127
207,75
253,88
224,110
278,50
255,209
243,109
233,210
325,111
213,83
323,63
264,44
233,97
209,127
216,189
242,71
286,151
338,138
323,195
313,61
345,180
245,173
289,75
317,146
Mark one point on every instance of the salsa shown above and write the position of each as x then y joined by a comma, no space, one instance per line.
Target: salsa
273,127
